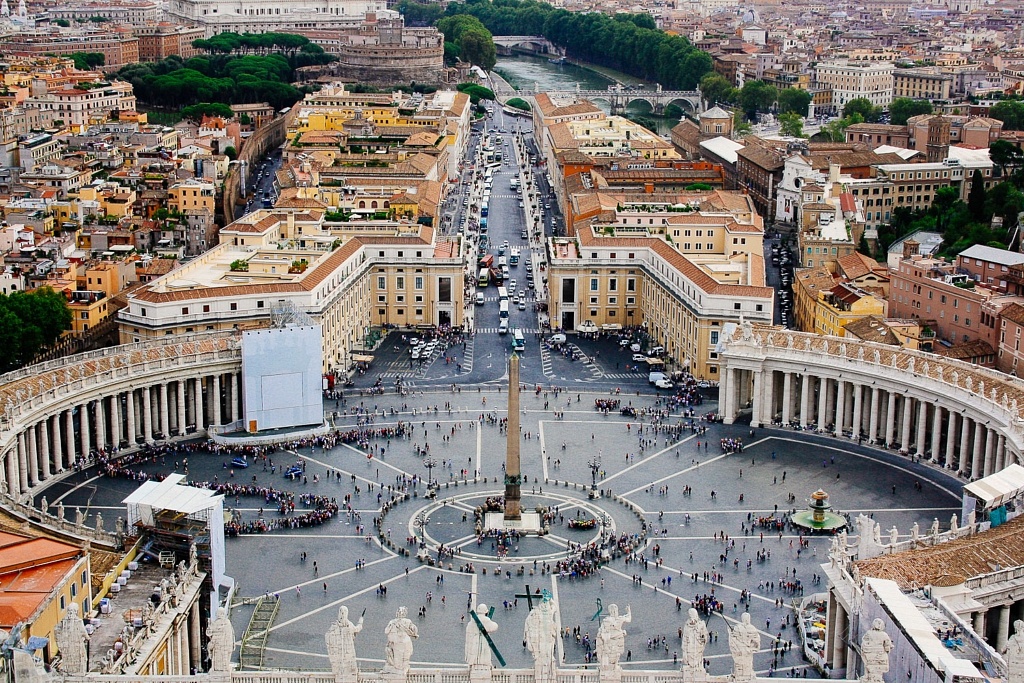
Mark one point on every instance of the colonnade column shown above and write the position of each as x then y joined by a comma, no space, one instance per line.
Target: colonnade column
755,397
805,399
1000,452
965,435
147,414
100,414
165,417
180,394
990,452
908,411
22,464
11,470
55,444
236,403
215,395
115,420
822,402
33,457
922,425
44,447
873,418
951,432
936,450
130,418
197,405
83,426
890,417
1004,628
840,406
69,431
978,452
858,409
787,398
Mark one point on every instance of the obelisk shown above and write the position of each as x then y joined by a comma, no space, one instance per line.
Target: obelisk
513,478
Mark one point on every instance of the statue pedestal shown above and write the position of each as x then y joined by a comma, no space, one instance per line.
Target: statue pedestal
530,522
610,674
695,675
393,676
480,674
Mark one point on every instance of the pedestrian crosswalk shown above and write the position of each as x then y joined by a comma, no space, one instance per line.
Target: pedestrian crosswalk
494,330
622,375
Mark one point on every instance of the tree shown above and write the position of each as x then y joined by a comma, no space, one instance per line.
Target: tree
1010,112
902,108
673,111
475,92
794,100
88,61
757,96
714,88
518,103
835,131
231,153
28,322
63,23
196,112
791,124
863,107
740,126
976,197
477,48
1007,156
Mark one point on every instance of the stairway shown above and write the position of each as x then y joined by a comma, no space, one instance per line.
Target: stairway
254,640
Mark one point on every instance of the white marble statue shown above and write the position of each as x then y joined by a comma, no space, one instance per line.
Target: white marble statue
43,505
611,637
222,642
540,635
99,521
400,632
71,638
744,641
695,639
79,517
60,510
875,648
935,527
915,531
478,652
341,647
894,535
953,523
1015,654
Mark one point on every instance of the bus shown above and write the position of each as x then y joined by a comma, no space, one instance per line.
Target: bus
483,210
503,309
513,259
502,294
518,341
485,276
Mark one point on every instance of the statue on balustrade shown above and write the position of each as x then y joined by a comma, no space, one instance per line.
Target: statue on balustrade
222,642
341,647
695,639
540,636
744,641
611,638
400,632
71,638
875,648
478,651
1015,654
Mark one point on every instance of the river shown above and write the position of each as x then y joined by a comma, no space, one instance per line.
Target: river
526,72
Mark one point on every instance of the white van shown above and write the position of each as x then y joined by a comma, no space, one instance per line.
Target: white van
558,338
479,298
655,376
503,326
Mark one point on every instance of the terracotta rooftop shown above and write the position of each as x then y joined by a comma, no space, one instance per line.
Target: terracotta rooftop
30,569
967,557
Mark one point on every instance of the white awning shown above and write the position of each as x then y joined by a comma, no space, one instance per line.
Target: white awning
999,488
154,496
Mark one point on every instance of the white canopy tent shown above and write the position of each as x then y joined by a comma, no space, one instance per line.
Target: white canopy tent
999,488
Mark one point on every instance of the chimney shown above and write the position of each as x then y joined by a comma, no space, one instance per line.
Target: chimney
910,248
833,173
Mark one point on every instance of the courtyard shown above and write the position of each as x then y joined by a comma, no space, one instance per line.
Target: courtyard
690,508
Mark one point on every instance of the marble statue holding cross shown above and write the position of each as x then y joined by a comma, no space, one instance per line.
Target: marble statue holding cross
478,642
541,635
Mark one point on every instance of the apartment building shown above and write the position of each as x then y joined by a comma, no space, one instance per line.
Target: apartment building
133,12
850,80
159,40
682,274
348,277
1010,354
118,48
988,265
925,83
914,185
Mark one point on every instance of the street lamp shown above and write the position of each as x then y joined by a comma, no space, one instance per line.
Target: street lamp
595,466
430,464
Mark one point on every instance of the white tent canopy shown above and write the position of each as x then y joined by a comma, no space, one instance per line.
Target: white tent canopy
999,488
167,495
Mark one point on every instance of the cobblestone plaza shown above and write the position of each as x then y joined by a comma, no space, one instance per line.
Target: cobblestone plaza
700,541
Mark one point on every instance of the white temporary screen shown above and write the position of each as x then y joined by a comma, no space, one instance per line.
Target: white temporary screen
281,377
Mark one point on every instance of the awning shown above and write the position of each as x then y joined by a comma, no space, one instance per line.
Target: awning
360,358
586,326
655,362
999,488
611,327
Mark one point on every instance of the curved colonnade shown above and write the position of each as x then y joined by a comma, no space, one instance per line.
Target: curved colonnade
962,417
57,413
965,418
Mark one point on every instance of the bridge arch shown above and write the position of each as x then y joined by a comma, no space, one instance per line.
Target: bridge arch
687,104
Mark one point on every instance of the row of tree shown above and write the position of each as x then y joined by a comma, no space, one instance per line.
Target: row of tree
467,39
252,43
30,321
227,79
628,42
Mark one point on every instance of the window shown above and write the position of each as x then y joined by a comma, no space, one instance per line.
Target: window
759,307
714,337
381,312
418,282
593,284
400,311
400,282
234,306
259,304
613,285
419,312
444,289
382,298
736,307
206,308
382,282
143,312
